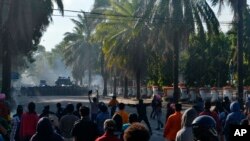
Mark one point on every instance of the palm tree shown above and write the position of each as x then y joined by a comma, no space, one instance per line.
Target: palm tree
173,21
79,52
123,40
22,24
238,7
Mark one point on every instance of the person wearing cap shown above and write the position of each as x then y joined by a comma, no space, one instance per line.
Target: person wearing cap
214,115
15,124
109,128
204,129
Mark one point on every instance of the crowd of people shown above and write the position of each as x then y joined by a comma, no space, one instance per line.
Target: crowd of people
204,121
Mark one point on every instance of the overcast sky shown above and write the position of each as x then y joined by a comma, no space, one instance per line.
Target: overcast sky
60,25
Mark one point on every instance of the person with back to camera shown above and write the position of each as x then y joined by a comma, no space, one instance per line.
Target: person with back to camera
142,113
28,122
94,106
45,131
173,124
84,129
186,133
122,113
136,132
109,128
113,104
204,129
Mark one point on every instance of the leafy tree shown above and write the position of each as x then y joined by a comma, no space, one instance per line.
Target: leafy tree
22,24
175,20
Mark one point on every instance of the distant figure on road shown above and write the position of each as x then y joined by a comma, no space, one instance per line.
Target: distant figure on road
94,105
113,104
153,105
142,112
159,114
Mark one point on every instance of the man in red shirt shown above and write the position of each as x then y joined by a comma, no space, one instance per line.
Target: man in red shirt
173,124
109,127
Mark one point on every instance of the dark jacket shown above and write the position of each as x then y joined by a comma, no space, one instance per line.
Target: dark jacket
84,130
45,132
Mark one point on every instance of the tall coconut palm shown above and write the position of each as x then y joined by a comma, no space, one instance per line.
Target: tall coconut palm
79,52
22,24
174,20
123,42
238,7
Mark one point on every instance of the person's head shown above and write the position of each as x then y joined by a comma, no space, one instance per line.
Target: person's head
109,125
19,110
94,99
136,132
132,118
2,97
188,116
178,107
118,120
113,97
235,106
78,105
207,105
140,101
32,107
121,106
84,111
44,128
58,105
204,129
103,108
226,99
70,108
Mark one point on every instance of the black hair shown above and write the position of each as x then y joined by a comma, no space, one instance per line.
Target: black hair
32,107
121,106
178,107
84,111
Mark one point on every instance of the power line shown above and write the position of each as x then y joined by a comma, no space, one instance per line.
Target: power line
96,15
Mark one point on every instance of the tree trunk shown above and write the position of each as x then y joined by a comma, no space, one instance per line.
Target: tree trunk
240,50
104,76
6,66
175,65
90,77
125,87
105,84
138,84
114,89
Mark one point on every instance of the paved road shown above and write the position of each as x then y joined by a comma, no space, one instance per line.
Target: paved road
52,100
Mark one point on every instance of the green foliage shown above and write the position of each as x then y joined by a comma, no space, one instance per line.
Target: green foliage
208,61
